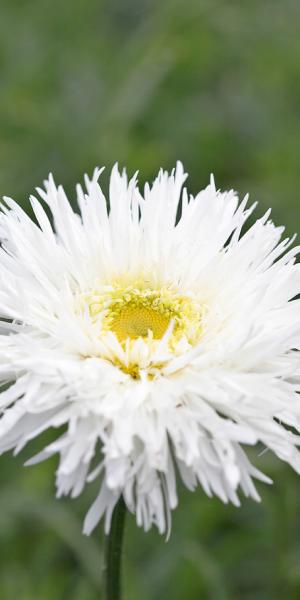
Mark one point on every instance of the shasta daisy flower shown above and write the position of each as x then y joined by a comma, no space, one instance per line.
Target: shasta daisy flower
160,343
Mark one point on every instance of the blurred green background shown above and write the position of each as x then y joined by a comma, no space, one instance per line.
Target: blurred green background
216,84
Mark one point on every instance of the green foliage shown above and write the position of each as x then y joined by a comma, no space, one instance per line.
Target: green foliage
215,83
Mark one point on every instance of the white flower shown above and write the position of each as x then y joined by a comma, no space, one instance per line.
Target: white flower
158,346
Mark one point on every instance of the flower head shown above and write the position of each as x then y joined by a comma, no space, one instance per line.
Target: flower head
156,341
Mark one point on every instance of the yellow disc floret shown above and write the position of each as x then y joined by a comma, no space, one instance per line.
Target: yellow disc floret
141,310
137,321
135,310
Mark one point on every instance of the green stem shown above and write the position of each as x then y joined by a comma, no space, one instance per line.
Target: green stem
113,553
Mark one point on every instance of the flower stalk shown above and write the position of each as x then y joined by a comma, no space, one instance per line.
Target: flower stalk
113,554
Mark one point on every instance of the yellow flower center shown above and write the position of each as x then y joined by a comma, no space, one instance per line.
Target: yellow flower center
141,311
137,321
